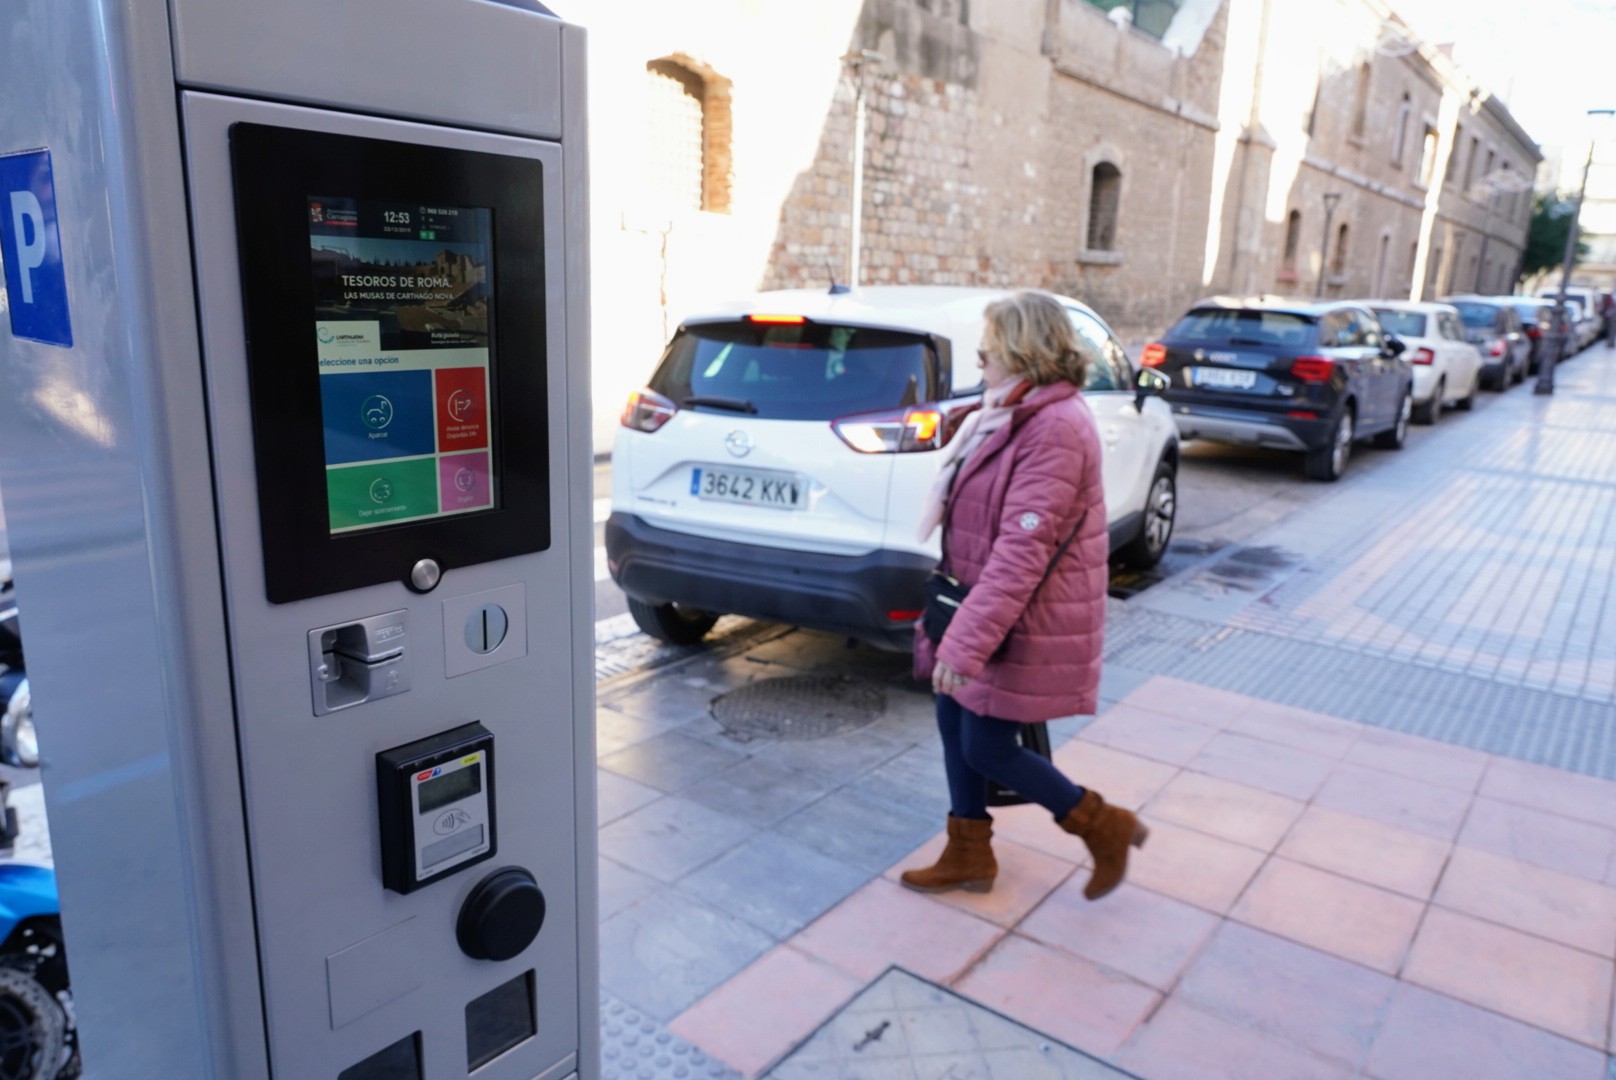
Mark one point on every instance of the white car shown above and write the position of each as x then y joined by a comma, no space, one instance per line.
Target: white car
1585,322
1447,368
776,464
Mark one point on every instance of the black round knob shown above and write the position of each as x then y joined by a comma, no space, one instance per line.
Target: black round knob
502,915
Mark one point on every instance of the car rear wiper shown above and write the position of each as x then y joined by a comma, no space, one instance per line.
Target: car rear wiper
729,403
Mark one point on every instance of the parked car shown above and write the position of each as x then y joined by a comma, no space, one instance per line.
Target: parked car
1585,320
1447,368
1492,326
776,464
1293,375
1537,319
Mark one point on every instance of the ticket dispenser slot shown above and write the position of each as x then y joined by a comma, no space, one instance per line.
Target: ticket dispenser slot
353,663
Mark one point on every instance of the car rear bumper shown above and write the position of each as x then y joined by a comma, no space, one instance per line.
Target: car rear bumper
852,595
1251,429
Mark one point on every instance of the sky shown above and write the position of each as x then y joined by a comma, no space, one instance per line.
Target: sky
1549,60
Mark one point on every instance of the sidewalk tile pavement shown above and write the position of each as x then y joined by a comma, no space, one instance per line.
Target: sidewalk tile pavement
1323,894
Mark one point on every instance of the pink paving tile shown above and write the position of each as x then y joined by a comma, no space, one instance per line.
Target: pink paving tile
1223,808
1342,917
1194,867
1425,1036
1184,1043
1133,931
884,924
1025,878
1542,839
1329,1005
1568,794
1149,734
766,1009
1419,759
1033,827
1297,728
1059,994
1124,779
1247,760
1396,800
1562,990
1369,851
1189,701
1570,910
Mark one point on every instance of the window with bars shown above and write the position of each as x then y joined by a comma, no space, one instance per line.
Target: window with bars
687,143
1105,197
1151,16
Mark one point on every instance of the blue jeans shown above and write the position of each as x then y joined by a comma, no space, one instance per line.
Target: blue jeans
977,749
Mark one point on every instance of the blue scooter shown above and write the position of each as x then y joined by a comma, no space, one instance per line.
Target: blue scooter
37,1036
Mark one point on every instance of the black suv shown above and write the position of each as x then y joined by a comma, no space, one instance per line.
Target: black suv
1291,375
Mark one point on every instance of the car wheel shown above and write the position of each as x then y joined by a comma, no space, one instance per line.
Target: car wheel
1329,461
1161,509
1468,402
673,623
1393,437
1427,412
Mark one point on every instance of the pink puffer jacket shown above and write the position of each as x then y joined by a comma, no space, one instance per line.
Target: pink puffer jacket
1016,498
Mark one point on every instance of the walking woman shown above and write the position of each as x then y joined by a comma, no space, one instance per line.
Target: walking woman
1023,514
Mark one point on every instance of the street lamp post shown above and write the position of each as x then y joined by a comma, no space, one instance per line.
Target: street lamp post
856,60
1561,338
1331,198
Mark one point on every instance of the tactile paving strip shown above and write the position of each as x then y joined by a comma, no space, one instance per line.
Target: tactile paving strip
903,1026
635,1047
1560,730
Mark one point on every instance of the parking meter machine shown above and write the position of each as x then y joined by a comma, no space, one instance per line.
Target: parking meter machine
296,466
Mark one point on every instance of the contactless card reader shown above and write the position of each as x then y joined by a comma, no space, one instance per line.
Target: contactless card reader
436,798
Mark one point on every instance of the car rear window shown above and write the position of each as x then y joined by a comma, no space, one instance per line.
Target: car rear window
1477,316
796,371
1405,323
1239,326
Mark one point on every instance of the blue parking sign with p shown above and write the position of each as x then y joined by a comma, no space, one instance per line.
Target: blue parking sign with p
31,250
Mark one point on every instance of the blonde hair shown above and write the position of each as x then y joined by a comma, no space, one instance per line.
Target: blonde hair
1035,338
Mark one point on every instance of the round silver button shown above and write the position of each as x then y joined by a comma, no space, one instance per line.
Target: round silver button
425,575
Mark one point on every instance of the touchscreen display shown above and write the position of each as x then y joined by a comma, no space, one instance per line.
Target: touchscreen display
403,323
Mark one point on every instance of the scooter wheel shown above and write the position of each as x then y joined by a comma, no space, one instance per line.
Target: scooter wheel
33,1029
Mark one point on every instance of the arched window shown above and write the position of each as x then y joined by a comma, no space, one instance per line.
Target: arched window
688,135
1338,264
1401,137
1105,196
1293,240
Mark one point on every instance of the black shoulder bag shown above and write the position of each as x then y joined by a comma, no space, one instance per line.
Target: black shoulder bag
945,593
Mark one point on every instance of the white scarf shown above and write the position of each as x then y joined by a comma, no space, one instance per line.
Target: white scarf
998,404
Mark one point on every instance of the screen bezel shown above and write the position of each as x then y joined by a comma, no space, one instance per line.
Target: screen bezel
276,170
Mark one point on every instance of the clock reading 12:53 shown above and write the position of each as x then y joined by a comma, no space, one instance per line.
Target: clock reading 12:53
396,217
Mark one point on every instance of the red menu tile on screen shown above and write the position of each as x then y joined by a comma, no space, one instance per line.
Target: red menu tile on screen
462,408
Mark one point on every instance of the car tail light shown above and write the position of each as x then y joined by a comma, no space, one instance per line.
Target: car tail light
1302,414
900,431
1313,368
1534,332
647,411
903,615
1155,355
1422,356
1497,347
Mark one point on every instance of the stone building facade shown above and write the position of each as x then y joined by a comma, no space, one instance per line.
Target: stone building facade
1034,142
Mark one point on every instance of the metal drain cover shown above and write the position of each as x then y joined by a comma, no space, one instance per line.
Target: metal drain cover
799,707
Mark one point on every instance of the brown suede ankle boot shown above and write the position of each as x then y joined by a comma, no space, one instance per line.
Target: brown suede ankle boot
966,862
1108,831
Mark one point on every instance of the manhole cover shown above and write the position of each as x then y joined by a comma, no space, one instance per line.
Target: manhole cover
799,707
